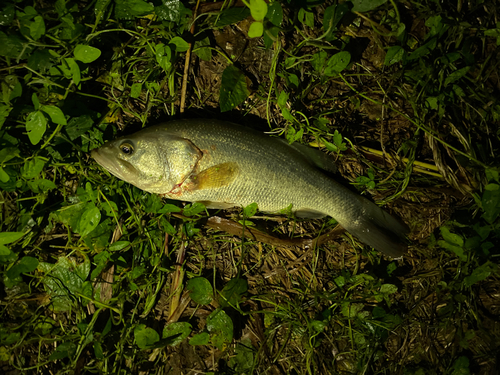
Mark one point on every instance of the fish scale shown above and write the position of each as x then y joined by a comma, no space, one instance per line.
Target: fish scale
223,165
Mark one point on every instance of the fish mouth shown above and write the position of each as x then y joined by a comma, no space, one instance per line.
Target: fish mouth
116,167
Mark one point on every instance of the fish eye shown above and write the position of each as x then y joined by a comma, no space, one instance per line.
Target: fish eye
127,148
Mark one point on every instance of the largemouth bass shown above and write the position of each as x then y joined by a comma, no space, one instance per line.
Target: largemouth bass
224,165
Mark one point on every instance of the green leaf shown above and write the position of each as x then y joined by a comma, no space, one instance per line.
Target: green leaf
193,209
250,210
480,273
135,90
231,16
202,49
86,54
8,153
333,15
74,70
37,27
4,176
232,292
200,290
220,326
394,54
337,63
233,89
170,10
32,167
452,242
461,366
77,126
7,14
366,5
4,113
167,208
13,46
89,219
306,17
176,332
36,102
456,75
129,9
119,245
26,264
491,205
180,44
256,29
258,9
36,125
202,338
243,362
64,350
145,336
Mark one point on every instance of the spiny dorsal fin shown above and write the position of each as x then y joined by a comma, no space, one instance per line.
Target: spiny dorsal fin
216,176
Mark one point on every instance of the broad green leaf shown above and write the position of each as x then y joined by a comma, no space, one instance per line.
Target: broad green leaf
36,125
337,63
36,102
250,210
13,46
394,54
176,332
193,209
491,205
456,75
77,126
202,49
220,326
202,338
243,362
4,177
65,280
256,29
388,289
258,9
89,220
129,9
480,273
119,245
86,54
9,237
32,167
231,16
145,336
7,14
333,15
135,90
25,265
74,70
366,5
170,10
37,27
41,186
233,89
64,350
232,292
4,113
200,290
306,17
180,44
318,61
169,208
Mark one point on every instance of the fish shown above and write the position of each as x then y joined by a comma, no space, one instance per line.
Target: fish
223,165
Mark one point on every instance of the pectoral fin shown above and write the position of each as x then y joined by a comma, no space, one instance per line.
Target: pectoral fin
216,176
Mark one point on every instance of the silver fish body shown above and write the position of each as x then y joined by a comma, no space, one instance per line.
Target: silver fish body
224,165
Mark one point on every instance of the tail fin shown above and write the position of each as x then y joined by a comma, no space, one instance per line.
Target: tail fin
378,229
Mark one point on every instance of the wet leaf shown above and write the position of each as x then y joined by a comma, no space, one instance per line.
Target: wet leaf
176,332
86,54
36,125
145,336
233,89
200,290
